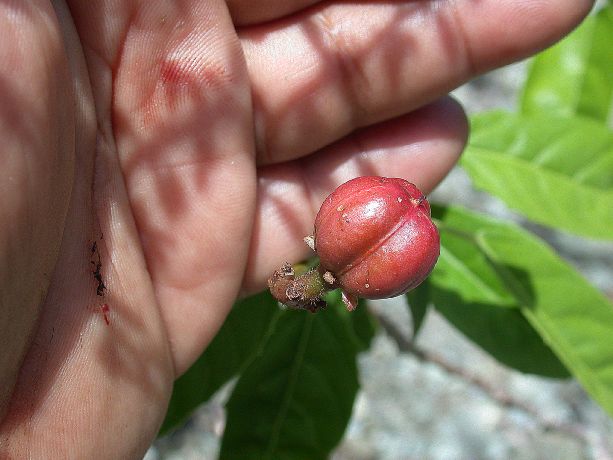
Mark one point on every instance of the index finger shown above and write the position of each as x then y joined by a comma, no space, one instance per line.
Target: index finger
335,67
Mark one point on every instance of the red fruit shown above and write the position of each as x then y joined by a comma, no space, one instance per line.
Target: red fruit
376,237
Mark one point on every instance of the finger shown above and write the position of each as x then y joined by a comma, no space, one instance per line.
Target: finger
184,134
421,147
250,12
36,164
89,369
318,75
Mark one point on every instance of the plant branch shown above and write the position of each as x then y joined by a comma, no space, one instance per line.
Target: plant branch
490,390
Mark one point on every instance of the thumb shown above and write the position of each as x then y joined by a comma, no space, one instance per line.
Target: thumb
36,167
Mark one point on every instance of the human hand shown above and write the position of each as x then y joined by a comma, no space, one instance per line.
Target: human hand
185,146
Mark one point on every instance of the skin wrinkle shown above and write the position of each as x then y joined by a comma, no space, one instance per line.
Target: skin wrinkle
348,67
471,67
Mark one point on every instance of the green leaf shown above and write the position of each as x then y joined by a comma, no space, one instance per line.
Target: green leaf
418,301
573,317
238,341
295,399
555,171
462,266
503,333
574,77
468,290
359,320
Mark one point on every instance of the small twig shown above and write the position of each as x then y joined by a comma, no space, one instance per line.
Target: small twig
493,392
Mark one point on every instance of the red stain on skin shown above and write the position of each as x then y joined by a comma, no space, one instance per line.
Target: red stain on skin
190,78
192,74
183,86
176,73
179,80
104,308
215,76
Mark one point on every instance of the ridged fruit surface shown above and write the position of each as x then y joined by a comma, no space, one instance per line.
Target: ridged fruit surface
376,237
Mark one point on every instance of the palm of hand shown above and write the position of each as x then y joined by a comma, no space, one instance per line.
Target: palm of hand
194,160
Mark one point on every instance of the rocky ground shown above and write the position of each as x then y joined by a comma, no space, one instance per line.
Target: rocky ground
454,402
